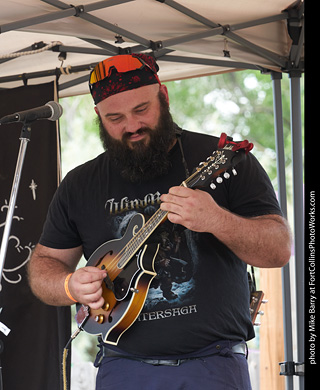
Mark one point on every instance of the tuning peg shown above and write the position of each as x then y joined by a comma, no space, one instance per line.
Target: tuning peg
264,301
219,180
226,175
213,186
234,172
257,324
261,312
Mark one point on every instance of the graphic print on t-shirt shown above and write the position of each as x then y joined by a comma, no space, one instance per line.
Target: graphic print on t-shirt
176,261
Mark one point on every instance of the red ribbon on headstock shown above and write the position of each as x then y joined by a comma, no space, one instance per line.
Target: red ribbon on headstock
224,139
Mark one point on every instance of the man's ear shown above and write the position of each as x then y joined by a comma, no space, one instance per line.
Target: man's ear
164,91
96,110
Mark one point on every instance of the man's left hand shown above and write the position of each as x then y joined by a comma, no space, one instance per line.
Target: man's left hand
190,208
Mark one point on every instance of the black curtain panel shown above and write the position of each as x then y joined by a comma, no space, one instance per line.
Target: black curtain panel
32,334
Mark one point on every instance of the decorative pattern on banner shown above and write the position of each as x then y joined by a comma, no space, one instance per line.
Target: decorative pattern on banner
32,334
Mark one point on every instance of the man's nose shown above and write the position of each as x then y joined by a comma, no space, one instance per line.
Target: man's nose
132,125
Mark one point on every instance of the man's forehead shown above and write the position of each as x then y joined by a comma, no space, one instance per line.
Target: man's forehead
129,99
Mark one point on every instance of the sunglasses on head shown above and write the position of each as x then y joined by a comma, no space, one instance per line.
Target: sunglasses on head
122,63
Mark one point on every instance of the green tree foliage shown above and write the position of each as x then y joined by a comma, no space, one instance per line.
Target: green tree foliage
79,132
239,104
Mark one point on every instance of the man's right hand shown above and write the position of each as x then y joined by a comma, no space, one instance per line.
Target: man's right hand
85,286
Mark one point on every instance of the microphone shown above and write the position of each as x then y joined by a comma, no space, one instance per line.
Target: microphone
51,110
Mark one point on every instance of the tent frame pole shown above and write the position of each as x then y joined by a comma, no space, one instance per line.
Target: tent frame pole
298,202
276,78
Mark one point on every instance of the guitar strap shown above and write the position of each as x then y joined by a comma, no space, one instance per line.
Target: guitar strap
252,281
178,132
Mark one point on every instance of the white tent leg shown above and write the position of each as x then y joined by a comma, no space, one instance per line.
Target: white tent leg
298,202
281,173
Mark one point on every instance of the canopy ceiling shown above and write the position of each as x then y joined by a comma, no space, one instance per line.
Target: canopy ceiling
189,38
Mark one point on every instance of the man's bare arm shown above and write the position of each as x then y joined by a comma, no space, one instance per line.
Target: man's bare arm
263,241
48,269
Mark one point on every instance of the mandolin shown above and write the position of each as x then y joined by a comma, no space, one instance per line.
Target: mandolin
256,299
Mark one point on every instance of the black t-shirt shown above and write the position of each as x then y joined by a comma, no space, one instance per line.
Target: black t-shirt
200,293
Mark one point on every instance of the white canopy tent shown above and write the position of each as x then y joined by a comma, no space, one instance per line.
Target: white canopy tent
189,38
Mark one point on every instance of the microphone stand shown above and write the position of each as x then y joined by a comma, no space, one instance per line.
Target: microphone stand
24,139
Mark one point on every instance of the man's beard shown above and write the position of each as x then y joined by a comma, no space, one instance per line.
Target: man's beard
138,161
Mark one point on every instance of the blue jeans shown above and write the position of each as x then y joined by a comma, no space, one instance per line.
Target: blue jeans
223,370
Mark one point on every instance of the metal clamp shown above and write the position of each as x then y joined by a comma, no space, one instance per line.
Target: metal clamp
291,368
